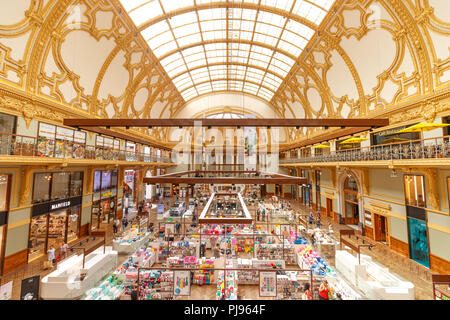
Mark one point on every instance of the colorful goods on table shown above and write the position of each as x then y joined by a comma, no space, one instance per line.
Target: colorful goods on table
310,259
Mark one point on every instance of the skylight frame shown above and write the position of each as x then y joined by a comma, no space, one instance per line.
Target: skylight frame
271,41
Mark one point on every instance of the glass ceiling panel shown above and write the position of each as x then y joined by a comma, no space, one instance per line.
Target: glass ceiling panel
248,48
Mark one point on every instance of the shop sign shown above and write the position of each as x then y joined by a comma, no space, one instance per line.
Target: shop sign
107,194
61,205
44,208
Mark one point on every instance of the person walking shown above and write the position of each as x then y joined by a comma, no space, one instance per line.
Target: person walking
311,218
51,254
257,214
63,250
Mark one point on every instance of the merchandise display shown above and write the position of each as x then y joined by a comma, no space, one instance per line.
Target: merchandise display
226,285
122,281
156,285
310,259
290,285
276,252
131,240
184,249
204,277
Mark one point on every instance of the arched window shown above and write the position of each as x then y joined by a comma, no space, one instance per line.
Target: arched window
350,184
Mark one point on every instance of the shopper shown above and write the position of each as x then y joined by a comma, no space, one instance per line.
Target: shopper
213,241
323,290
313,239
124,223
51,254
307,292
116,225
63,250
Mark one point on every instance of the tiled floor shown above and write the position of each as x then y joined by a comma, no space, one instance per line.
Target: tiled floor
393,261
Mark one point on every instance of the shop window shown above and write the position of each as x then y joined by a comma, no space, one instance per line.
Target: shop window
60,185
73,223
8,126
38,237
418,241
414,190
393,136
114,179
7,123
97,181
106,180
57,228
64,143
41,187
95,216
79,145
76,184
4,193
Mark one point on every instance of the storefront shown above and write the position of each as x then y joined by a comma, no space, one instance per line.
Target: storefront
55,215
59,142
393,136
5,186
351,201
52,224
104,202
107,148
417,219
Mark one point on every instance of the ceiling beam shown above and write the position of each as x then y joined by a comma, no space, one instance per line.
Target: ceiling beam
224,180
267,178
364,124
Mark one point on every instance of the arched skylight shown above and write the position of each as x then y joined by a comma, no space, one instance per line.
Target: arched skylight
228,45
225,115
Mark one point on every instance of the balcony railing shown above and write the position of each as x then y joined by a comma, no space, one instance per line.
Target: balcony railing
433,148
18,145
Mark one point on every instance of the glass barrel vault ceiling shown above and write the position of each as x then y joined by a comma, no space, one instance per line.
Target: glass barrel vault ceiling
249,47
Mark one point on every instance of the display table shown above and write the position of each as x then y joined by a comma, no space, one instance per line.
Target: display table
373,279
122,281
67,281
130,242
